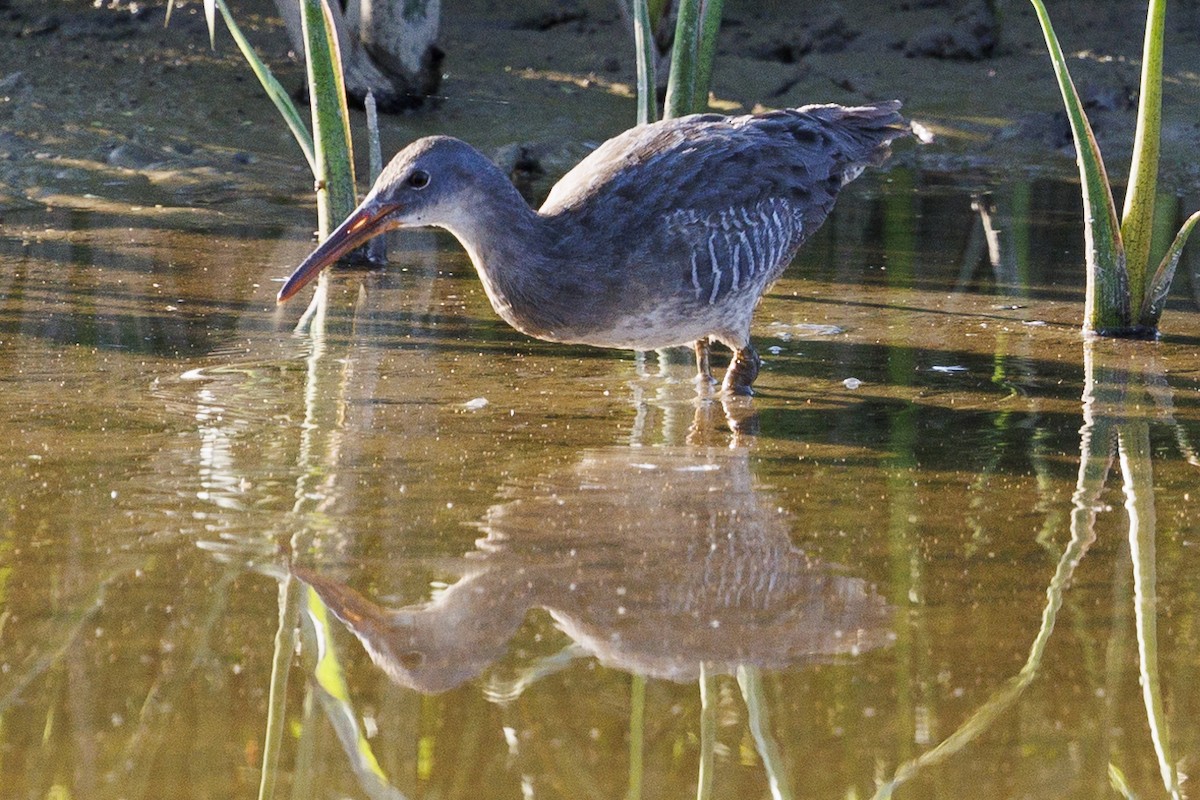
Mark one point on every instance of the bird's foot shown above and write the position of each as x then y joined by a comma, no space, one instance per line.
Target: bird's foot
742,372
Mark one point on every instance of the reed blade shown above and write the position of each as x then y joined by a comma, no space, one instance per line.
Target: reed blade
274,89
210,17
692,56
706,51
682,81
1160,284
376,247
1137,219
643,35
1107,276
331,118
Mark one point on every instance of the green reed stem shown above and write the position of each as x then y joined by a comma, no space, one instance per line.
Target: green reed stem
706,52
1123,298
643,36
692,57
1107,301
1160,284
330,117
1137,220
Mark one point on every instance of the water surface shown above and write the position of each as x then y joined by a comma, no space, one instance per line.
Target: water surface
917,564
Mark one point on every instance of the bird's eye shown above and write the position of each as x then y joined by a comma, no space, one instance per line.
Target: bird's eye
419,179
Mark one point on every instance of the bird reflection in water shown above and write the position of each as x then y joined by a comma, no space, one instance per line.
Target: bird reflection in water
652,560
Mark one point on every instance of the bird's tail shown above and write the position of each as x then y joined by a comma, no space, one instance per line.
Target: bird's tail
864,133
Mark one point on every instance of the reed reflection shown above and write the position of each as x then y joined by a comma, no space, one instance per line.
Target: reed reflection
652,560
1125,391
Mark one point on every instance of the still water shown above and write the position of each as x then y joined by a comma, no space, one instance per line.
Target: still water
950,549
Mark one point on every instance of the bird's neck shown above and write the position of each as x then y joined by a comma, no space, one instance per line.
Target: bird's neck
513,250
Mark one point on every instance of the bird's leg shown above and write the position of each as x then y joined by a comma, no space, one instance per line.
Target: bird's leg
742,371
703,370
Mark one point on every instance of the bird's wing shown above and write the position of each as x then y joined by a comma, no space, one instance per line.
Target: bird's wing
708,161
716,201
735,249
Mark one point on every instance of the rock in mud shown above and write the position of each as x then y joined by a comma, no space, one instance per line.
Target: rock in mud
545,19
13,83
534,167
131,155
973,35
831,33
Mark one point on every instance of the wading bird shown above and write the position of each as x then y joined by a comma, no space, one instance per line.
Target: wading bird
665,235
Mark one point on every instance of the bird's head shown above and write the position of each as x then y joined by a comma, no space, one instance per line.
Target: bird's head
423,185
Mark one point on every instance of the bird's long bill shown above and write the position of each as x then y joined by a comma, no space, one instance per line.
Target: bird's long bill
363,223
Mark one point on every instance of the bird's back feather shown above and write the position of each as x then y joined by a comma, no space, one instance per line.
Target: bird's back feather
697,161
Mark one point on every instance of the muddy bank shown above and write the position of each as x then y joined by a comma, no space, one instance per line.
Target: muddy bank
109,94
